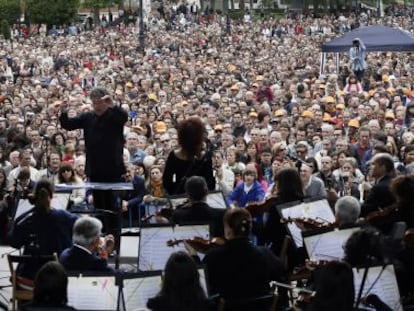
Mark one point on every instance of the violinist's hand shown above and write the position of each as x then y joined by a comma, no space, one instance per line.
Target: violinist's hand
190,250
109,243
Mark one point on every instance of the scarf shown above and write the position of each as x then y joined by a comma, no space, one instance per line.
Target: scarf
157,189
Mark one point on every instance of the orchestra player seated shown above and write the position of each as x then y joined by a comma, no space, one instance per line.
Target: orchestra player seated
181,288
197,210
239,269
379,196
50,291
347,210
89,252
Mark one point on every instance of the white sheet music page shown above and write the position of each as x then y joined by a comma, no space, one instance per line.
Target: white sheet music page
92,293
60,200
137,291
317,210
328,245
216,200
129,246
22,207
385,287
154,251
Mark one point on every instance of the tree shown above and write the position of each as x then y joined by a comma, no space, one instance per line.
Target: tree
57,12
96,5
5,29
10,11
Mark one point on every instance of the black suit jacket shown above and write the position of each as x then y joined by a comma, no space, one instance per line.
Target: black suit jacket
77,259
380,196
104,142
240,269
199,213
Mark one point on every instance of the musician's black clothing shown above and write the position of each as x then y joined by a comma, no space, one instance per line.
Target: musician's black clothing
240,269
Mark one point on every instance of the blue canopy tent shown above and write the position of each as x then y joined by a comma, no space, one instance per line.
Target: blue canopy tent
377,38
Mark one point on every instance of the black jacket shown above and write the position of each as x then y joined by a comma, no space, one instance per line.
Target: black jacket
104,142
240,269
199,213
380,196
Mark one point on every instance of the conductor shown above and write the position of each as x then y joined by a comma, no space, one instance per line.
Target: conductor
104,141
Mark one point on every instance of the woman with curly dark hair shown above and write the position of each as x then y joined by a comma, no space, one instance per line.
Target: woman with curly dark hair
189,158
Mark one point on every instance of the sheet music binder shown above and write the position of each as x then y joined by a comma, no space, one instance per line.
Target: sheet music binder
327,244
311,208
153,250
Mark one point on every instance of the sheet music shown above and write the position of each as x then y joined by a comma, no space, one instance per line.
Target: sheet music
129,246
216,200
386,287
22,207
137,291
60,200
176,201
318,210
92,293
328,245
153,249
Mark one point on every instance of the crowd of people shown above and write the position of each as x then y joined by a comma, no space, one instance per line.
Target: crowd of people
246,109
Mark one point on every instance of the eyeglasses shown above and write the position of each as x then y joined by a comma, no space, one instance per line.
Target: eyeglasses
165,141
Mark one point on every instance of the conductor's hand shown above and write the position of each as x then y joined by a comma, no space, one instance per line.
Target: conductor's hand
108,100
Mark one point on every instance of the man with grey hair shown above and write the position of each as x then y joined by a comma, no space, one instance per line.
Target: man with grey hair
347,210
89,251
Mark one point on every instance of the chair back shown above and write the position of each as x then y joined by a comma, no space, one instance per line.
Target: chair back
22,288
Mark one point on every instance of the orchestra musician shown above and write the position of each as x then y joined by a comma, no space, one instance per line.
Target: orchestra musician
239,269
42,230
379,196
288,189
197,210
88,252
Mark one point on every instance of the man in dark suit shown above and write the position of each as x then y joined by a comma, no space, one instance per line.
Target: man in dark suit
197,210
104,143
380,196
86,244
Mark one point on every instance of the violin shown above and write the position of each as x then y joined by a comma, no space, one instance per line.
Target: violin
259,208
200,244
381,214
306,223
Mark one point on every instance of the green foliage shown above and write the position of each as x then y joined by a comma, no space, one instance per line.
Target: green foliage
9,11
56,12
5,29
100,4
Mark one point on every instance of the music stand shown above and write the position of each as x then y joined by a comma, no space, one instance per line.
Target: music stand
327,244
153,249
314,209
102,287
